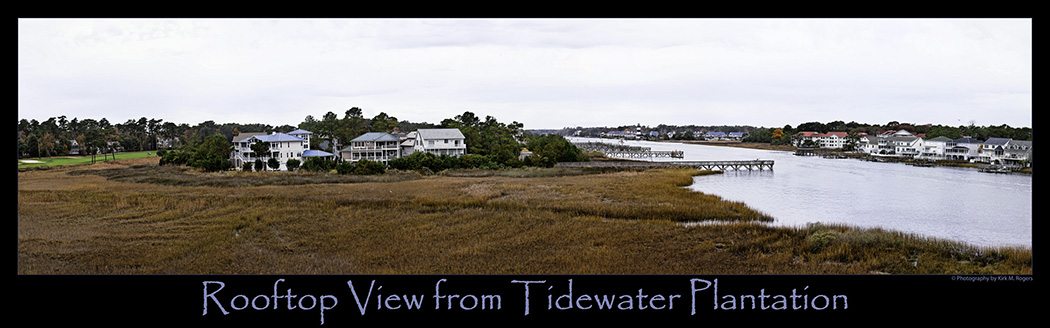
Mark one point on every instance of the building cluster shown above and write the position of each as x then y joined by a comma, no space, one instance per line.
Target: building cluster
373,146
699,135
902,143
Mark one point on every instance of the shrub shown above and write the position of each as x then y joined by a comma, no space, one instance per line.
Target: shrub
345,167
367,167
317,164
247,167
292,164
273,163
259,164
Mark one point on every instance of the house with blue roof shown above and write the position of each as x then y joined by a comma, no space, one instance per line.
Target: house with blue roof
283,147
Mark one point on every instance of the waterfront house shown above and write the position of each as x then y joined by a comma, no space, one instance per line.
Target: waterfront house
1017,152
905,146
282,147
867,145
714,135
736,135
1005,151
934,149
822,140
965,148
373,146
441,142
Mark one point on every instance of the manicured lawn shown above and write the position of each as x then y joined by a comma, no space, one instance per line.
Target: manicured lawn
72,160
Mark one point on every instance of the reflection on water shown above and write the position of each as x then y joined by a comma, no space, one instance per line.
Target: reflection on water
952,203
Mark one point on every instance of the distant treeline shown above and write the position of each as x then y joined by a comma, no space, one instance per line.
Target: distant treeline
782,135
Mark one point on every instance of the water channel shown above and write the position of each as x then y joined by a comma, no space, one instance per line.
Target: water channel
962,204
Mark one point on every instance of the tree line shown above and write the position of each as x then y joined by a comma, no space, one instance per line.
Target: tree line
783,135
490,143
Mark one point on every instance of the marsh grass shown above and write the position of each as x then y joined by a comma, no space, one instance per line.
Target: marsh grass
133,217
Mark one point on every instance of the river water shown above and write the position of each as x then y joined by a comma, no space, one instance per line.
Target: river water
962,204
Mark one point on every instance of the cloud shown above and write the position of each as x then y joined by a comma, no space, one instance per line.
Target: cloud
545,73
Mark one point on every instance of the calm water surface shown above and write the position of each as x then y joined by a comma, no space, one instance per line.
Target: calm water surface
961,204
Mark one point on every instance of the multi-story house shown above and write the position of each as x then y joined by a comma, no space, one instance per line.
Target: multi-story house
867,145
441,142
373,146
905,146
822,140
282,147
1017,152
965,148
1005,151
934,149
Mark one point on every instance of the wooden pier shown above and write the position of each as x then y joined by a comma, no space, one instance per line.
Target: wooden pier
699,165
626,151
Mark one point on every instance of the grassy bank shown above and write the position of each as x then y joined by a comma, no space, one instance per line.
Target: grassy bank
132,217
45,162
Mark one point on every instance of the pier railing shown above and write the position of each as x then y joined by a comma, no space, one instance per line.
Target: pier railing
700,165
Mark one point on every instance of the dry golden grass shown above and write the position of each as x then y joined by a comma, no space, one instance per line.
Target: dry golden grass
132,217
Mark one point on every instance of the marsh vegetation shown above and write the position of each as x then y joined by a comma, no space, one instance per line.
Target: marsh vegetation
135,217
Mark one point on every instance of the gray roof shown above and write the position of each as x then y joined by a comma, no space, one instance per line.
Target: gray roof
941,139
996,141
967,140
376,136
300,131
440,134
1023,143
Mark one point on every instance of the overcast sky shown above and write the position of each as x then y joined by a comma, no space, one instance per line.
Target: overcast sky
544,73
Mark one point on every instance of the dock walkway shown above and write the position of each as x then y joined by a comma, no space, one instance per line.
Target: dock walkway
626,151
700,165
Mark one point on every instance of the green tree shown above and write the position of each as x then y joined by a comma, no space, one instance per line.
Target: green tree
383,123
273,163
260,149
292,164
212,154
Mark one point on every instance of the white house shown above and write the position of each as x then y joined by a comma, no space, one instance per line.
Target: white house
1005,151
302,134
965,148
1017,152
934,148
373,146
905,146
867,145
441,142
822,140
282,147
